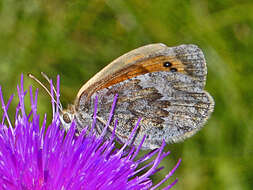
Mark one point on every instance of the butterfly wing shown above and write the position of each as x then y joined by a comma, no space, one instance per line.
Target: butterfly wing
161,85
122,68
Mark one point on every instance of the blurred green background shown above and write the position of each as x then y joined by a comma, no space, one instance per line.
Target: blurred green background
77,38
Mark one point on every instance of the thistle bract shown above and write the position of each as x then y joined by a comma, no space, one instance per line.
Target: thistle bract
48,158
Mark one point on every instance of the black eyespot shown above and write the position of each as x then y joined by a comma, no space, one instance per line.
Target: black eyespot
173,70
66,118
167,64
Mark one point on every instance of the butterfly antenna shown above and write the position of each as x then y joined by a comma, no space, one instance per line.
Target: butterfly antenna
43,86
48,80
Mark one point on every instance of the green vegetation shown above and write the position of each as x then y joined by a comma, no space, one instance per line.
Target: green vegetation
77,38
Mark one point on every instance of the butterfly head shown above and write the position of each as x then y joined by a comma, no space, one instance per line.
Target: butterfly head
67,117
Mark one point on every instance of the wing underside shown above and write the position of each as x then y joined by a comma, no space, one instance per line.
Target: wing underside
173,105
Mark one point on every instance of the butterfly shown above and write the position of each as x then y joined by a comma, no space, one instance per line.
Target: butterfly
164,86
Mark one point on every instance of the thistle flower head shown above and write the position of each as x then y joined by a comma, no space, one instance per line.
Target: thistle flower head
48,158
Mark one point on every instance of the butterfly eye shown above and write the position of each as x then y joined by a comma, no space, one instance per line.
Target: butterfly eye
66,118
167,64
173,70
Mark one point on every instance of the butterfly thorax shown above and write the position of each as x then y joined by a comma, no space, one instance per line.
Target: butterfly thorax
81,115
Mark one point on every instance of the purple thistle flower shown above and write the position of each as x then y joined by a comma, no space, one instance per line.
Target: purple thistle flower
32,157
